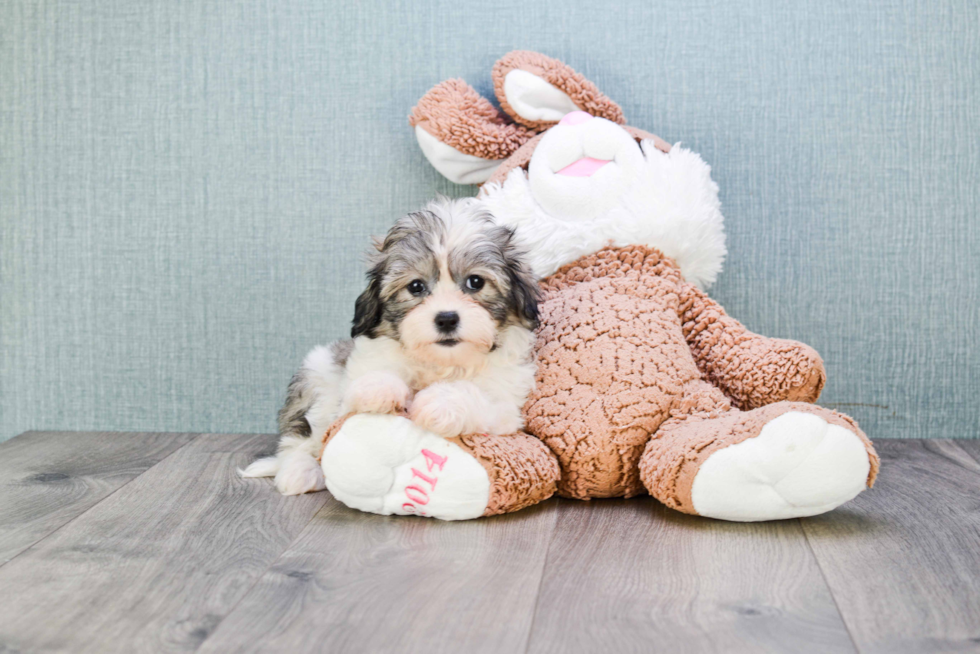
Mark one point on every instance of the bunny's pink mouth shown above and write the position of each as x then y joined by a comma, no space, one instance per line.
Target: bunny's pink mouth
584,167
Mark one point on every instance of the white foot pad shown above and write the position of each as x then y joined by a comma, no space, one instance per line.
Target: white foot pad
798,465
388,465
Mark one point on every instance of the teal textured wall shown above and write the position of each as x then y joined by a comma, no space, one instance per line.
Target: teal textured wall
186,187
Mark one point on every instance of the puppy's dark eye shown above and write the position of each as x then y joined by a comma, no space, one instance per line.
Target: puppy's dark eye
474,283
416,287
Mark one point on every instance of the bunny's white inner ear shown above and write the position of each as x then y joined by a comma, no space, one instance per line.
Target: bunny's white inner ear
454,165
536,99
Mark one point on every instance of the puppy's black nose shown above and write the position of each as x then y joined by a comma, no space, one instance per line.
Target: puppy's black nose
447,321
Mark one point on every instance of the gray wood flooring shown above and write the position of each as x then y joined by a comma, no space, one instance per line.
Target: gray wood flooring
150,543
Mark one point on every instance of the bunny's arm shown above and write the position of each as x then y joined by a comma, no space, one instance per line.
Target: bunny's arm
751,370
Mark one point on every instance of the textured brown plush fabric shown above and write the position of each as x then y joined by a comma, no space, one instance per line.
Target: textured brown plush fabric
616,366
521,469
583,93
613,365
460,117
751,370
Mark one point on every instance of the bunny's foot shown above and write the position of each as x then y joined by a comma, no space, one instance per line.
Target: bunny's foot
785,460
391,466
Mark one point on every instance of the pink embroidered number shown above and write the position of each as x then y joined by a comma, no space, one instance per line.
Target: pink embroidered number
433,460
424,477
416,493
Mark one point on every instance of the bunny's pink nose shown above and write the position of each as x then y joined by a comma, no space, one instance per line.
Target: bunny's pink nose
575,118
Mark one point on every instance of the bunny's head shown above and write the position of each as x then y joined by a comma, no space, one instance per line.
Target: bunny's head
560,164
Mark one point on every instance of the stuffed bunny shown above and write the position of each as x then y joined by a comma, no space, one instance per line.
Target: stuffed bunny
644,385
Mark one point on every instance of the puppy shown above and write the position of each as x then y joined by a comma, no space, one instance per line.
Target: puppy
443,334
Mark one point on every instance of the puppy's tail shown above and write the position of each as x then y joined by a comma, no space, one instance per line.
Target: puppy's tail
314,390
295,466
266,467
291,448
293,425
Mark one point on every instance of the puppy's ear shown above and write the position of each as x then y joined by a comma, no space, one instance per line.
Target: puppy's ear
368,307
525,293
524,289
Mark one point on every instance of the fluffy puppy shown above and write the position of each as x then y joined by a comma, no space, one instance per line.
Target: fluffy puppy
443,334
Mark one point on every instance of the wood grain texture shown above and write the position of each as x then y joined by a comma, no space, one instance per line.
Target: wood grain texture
355,582
49,478
187,556
903,560
155,566
634,576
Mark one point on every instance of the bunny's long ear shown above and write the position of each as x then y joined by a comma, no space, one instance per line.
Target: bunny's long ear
462,134
537,91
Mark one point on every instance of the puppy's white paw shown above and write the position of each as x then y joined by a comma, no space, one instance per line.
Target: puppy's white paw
377,392
388,465
442,409
299,473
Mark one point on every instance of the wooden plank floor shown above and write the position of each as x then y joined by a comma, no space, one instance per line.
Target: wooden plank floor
151,543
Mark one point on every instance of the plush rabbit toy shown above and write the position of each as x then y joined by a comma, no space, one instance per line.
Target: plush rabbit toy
645,385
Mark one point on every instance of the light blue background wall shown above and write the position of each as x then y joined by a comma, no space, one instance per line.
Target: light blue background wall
185,186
